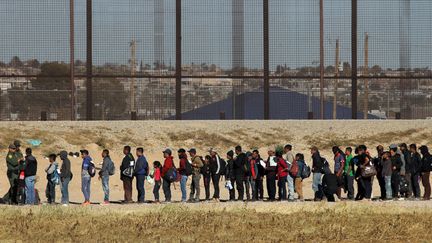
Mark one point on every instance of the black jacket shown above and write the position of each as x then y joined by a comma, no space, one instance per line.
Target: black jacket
65,170
229,173
416,163
214,165
329,184
261,169
426,163
396,162
239,164
205,170
31,166
317,163
408,163
126,164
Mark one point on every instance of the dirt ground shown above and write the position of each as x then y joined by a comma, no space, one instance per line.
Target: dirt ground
154,136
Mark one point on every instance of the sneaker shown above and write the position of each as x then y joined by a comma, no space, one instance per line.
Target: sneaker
105,203
86,203
65,205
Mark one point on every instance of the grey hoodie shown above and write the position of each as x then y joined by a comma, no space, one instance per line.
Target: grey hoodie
65,170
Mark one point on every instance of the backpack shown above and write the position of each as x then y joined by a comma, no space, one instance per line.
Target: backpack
91,170
111,168
326,166
55,177
306,172
294,169
403,185
188,168
171,174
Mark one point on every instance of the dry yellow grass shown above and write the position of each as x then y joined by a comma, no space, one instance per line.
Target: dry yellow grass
237,222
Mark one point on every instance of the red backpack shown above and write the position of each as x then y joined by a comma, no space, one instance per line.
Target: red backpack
294,169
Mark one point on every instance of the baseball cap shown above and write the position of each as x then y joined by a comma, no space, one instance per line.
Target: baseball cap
17,143
192,150
182,150
84,151
167,151
12,146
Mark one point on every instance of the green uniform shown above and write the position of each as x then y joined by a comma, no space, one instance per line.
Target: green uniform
13,168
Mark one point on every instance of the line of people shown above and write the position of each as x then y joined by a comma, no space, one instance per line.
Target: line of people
398,171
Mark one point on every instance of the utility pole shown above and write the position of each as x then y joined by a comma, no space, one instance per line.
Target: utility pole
133,73
354,59
72,58
322,57
336,81
366,74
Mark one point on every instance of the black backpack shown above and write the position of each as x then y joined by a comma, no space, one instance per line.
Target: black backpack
326,166
91,170
188,168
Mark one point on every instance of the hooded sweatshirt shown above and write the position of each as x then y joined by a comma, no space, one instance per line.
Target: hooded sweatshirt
87,161
31,166
65,170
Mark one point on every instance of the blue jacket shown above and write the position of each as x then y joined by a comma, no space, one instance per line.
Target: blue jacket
301,165
141,166
87,161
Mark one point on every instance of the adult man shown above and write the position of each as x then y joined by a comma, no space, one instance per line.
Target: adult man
197,163
339,164
396,167
289,158
182,171
317,167
12,162
229,174
87,166
141,171
168,164
378,163
415,161
425,171
30,177
215,171
65,177
271,171
126,173
239,171
104,174
349,173
405,153
257,173
361,189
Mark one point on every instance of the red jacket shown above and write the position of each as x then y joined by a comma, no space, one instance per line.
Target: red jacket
182,165
168,164
282,167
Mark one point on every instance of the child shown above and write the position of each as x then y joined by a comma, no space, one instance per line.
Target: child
205,170
157,179
51,174
298,183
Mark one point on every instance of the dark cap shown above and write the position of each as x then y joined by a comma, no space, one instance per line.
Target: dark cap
17,143
192,150
182,150
167,151
12,146
424,149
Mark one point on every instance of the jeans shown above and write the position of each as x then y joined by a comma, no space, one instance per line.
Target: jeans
65,190
207,186
290,181
215,181
156,190
50,192
30,190
167,190
195,188
395,184
426,185
271,185
382,184
349,180
247,186
183,187
388,187
140,179
316,185
259,189
254,189
85,187
105,187
415,185
282,189
240,186
367,182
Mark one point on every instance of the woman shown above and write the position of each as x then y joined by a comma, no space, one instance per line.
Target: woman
282,173
366,181
205,170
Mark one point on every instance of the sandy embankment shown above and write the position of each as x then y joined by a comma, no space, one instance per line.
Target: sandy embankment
223,135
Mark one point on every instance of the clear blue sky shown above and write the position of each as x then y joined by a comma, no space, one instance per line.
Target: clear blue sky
39,29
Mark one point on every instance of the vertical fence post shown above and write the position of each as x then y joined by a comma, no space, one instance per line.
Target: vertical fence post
72,57
354,59
178,72
266,60
89,62
321,59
